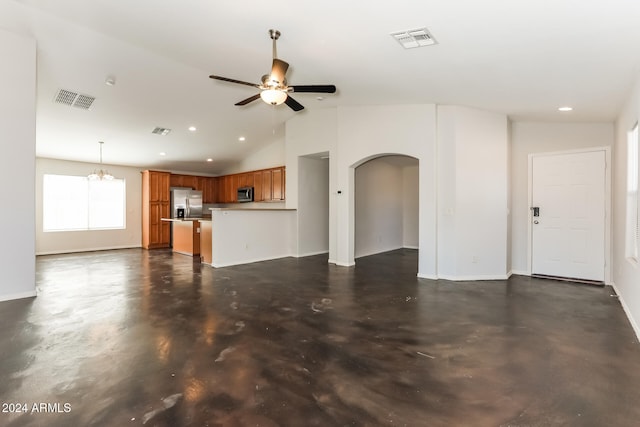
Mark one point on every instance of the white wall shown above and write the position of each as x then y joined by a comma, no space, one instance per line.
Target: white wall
313,206
244,236
371,131
472,194
410,207
269,156
307,134
470,239
378,207
77,241
529,138
17,165
626,275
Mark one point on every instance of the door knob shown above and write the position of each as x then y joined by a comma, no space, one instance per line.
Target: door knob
535,222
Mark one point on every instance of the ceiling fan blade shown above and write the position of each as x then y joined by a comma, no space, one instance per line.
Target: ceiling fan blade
278,70
293,104
314,88
226,79
248,100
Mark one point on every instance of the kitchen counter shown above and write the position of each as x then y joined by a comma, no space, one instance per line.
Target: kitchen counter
250,209
241,236
186,235
204,218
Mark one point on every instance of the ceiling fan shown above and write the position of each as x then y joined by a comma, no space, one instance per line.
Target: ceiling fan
274,89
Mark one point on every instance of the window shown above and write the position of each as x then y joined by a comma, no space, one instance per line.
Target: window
633,219
76,203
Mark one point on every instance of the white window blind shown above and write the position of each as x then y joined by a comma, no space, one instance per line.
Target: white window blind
633,201
75,203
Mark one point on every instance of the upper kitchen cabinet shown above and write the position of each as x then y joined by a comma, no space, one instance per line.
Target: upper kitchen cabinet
155,205
277,184
268,185
272,185
208,188
157,185
187,181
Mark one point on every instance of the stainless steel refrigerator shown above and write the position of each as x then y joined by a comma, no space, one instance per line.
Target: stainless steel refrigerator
186,203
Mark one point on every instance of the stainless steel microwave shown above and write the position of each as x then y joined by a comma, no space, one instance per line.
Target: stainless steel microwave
245,194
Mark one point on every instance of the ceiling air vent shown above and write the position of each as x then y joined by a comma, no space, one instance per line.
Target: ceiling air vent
414,38
74,99
161,131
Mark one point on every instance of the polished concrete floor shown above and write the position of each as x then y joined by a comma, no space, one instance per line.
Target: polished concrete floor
131,337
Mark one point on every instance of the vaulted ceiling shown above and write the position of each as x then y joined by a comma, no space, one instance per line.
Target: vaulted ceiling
522,58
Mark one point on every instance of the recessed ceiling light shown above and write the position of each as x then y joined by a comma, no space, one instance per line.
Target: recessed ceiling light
162,153
242,139
565,109
192,128
209,160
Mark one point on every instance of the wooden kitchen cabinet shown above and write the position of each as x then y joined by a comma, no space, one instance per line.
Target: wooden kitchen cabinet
188,181
277,184
268,185
257,187
272,185
208,188
267,190
155,205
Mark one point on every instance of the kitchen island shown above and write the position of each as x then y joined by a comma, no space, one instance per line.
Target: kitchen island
185,235
242,236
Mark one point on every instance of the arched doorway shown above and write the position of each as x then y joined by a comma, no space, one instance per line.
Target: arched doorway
386,205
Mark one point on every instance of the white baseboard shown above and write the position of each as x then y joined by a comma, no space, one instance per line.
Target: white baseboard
520,273
331,261
411,247
74,251
249,261
474,278
345,264
311,254
625,307
427,276
19,295
379,251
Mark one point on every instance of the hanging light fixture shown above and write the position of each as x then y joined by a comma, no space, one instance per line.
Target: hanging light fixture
100,174
273,96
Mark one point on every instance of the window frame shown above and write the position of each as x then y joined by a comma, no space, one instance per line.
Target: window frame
85,201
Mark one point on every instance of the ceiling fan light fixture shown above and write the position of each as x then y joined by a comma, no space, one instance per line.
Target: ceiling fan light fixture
273,96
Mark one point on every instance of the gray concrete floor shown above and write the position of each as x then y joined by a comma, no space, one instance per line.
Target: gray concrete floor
134,337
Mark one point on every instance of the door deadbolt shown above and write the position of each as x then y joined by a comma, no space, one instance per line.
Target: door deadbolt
536,211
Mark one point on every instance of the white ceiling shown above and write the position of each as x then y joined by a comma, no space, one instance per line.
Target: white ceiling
523,58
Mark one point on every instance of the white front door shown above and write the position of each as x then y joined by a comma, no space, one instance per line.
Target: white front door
568,235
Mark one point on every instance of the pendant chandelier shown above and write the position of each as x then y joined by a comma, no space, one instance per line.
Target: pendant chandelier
100,174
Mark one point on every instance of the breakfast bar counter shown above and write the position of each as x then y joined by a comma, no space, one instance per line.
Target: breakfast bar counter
186,235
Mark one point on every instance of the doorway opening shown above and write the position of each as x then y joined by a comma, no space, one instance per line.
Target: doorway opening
386,205
313,204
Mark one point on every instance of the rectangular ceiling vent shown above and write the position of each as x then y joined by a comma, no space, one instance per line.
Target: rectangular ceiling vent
414,38
74,99
161,131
